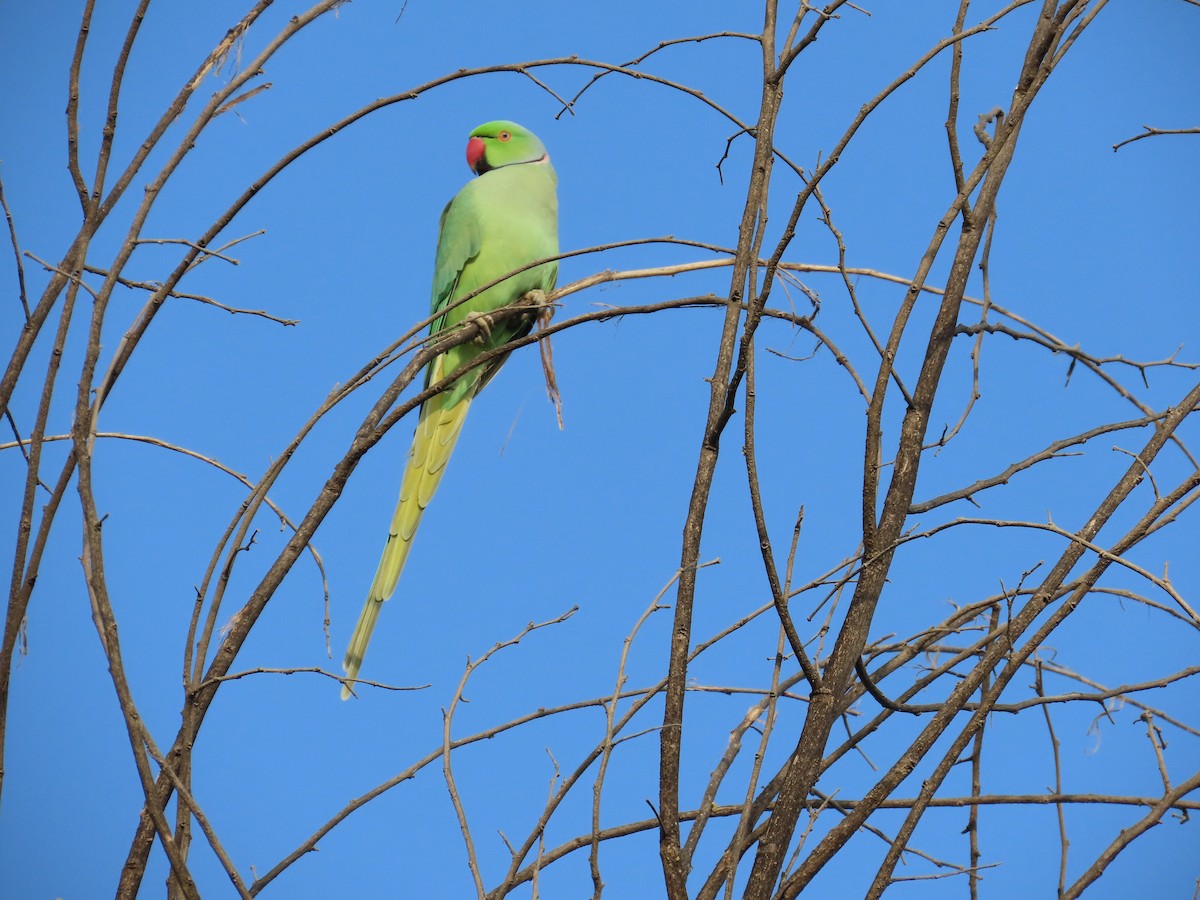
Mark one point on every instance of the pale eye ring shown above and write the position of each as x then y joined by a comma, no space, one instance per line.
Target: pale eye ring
504,136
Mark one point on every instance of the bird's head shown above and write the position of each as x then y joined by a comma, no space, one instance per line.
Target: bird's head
498,144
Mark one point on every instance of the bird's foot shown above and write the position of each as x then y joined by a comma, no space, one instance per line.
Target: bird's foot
536,297
484,323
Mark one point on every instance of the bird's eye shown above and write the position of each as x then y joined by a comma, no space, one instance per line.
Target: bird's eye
504,136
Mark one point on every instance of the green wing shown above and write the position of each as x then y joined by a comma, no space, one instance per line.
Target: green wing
458,244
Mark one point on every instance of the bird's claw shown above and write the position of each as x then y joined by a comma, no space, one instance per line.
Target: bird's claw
484,323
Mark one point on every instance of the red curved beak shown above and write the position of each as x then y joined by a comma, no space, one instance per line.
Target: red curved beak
475,155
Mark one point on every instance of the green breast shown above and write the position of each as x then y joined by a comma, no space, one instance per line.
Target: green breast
516,209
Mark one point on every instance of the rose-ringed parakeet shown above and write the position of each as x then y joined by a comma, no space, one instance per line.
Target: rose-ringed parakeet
501,221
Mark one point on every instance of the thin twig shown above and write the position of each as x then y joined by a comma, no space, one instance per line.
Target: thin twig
1156,132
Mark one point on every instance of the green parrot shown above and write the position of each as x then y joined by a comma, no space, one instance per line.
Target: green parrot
501,221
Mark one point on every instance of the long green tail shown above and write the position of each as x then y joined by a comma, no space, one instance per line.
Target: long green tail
437,433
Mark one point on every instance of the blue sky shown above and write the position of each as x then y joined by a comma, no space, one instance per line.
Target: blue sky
1094,246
